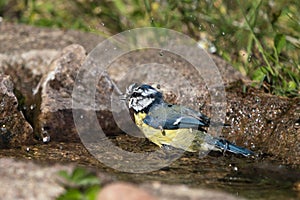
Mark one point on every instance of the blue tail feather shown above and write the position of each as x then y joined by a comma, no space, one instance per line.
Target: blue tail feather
225,145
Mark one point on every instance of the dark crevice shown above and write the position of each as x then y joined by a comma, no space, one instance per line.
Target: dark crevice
30,107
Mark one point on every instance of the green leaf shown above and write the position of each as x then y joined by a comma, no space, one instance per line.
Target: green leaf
92,192
80,177
279,42
292,85
147,5
85,185
259,74
71,194
64,174
78,174
88,180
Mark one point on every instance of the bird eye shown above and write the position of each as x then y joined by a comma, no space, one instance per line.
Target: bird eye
135,94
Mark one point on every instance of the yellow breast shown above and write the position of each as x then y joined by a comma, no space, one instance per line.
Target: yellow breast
179,138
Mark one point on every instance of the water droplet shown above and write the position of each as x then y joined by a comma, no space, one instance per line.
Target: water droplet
212,49
152,20
3,128
257,99
297,123
45,135
32,106
46,139
249,58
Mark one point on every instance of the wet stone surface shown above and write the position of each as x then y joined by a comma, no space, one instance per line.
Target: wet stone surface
250,178
14,129
55,119
264,123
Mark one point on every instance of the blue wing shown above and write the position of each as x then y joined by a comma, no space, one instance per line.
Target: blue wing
168,116
224,145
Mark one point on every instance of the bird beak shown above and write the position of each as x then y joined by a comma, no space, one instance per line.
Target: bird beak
123,97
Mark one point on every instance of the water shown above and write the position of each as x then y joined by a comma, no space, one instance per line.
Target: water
245,177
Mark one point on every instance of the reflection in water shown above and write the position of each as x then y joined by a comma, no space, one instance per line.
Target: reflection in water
250,178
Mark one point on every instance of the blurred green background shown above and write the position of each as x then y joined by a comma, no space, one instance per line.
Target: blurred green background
261,38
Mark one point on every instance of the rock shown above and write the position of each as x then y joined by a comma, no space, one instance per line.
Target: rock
20,38
26,70
14,130
123,191
26,53
55,119
177,78
55,88
265,123
26,180
178,192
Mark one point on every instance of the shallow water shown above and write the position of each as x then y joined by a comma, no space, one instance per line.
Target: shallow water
252,178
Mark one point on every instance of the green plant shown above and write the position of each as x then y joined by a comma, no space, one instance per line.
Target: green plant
80,184
281,77
258,37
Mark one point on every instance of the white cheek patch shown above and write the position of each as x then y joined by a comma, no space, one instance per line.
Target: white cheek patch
139,104
140,98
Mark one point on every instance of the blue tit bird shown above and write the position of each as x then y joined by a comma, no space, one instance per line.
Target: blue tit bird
172,125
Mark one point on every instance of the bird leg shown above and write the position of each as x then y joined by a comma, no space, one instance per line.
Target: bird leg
225,149
163,132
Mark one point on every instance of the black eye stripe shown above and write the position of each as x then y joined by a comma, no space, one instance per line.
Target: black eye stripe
135,94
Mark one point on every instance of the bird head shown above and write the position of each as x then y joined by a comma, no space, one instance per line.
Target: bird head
141,97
